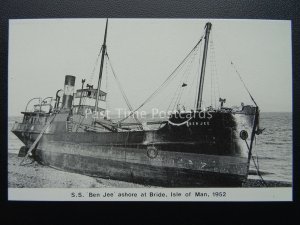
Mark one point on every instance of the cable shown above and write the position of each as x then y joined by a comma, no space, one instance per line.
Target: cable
164,83
122,90
94,68
184,79
256,166
192,82
258,172
106,86
243,83
240,77
175,93
214,73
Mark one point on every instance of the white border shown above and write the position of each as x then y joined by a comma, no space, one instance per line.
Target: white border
162,194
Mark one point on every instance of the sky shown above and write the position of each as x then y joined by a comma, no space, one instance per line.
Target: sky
144,52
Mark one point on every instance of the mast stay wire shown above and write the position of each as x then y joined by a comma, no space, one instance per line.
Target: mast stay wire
256,164
122,91
239,75
185,78
90,80
106,86
211,76
186,74
243,82
214,72
94,68
191,59
178,87
119,84
193,77
170,77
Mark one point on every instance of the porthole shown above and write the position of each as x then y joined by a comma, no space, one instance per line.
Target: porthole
244,135
152,152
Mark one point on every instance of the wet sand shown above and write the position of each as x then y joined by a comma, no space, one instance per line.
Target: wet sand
35,175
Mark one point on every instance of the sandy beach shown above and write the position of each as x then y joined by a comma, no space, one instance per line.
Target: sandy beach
35,175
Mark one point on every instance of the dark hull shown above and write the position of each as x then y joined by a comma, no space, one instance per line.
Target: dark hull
185,155
138,173
134,165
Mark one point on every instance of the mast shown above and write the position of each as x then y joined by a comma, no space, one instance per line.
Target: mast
82,84
200,91
101,66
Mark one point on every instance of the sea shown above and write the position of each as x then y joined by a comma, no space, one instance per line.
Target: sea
272,150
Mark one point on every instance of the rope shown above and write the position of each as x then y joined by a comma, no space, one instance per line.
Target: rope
179,88
39,137
122,90
89,82
175,94
83,116
184,79
256,166
243,83
214,74
191,86
94,68
239,75
258,172
106,86
80,123
165,82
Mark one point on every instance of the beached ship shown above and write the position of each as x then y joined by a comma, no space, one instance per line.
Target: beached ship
201,147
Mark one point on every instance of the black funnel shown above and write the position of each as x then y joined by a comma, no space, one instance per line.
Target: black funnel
68,92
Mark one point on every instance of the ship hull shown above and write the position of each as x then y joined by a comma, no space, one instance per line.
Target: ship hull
200,152
134,165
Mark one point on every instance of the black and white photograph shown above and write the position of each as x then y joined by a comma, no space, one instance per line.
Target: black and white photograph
150,109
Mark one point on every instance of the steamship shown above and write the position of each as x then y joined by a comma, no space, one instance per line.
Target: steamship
205,147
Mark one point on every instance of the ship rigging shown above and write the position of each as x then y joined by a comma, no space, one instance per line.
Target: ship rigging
186,79
204,146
